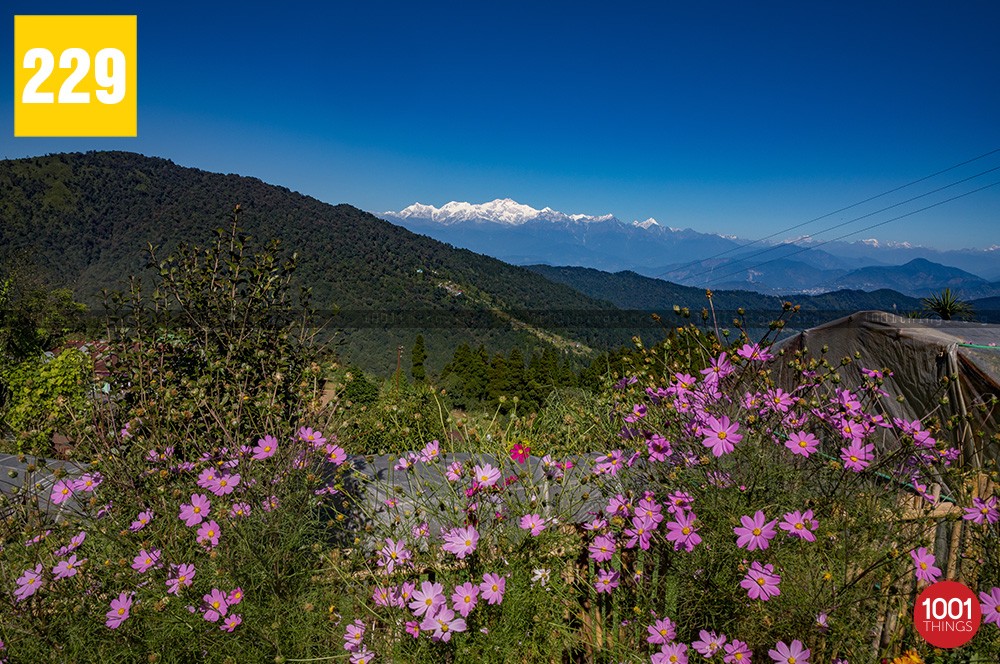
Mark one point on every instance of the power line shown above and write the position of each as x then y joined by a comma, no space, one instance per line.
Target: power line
862,230
829,214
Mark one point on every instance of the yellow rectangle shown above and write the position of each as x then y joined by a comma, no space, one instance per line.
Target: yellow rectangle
75,75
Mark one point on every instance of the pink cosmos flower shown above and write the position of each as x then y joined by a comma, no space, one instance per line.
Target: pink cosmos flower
269,504
638,412
650,509
857,456
800,525
683,532
194,512
485,475
208,534
141,521
679,501
315,438
520,453
718,369
335,454
721,436
610,463
923,563
231,622
61,491
982,510
454,472
990,605
215,605
392,554
234,597
802,442
602,548
709,643
183,576
67,568
431,452
224,484
755,353
761,582
119,612
240,510
266,448
207,478
493,587
793,654
662,631
640,532
146,560
606,581
534,523
443,624
461,541
465,598
88,482
28,583
754,533
737,652
658,448
354,634
671,653
428,599
363,656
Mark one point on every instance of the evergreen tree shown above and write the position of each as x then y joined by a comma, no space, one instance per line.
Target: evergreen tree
417,357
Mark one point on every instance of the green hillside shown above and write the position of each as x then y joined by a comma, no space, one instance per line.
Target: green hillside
84,220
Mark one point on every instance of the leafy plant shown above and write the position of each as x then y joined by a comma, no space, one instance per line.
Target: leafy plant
948,306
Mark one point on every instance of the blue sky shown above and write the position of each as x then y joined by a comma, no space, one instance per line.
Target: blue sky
731,117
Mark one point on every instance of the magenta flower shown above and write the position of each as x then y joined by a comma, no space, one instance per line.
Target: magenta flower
534,523
192,514
88,482
754,533
61,491
618,505
146,560
428,599
183,577
315,438
520,453
721,436
658,447
857,455
28,583
606,581
990,605
461,541
208,534
802,442
67,568
682,531
982,510
737,652
354,634
224,484
923,563
234,597
215,605
269,504
207,478
141,521
754,352
800,525
610,463
718,369
709,643
679,501
650,509
364,656
119,612
392,554
671,653
761,582
640,532
443,624
793,654
465,598
231,622
493,587
240,510
486,475
454,472
266,447
602,548
662,631
431,452
335,454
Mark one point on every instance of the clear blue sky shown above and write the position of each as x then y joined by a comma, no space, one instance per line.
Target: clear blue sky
732,117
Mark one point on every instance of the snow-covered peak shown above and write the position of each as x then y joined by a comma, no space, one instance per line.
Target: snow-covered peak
649,223
501,211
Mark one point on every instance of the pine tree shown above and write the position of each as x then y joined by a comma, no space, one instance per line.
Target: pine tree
417,357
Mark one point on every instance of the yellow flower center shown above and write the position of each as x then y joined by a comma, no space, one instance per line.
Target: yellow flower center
760,581
121,612
685,530
798,526
196,509
495,587
722,435
756,531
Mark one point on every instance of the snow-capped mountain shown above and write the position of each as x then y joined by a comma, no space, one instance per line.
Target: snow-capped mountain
499,211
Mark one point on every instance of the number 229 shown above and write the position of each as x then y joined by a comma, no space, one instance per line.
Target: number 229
109,70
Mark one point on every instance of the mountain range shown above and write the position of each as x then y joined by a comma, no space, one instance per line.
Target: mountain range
523,235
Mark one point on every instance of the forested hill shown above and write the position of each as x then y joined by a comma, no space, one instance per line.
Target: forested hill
84,220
